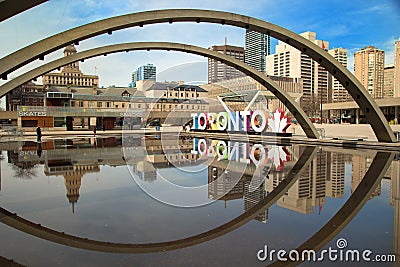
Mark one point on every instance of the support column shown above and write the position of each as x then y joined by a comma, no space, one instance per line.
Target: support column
396,113
357,116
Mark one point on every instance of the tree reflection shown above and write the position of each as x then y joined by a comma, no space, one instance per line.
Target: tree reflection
24,170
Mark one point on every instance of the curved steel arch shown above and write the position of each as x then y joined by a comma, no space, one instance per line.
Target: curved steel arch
14,221
293,107
349,210
39,49
10,8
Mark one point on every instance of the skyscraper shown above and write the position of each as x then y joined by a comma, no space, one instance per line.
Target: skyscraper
145,72
397,69
335,181
369,65
257,47
218,71
290,62
388,81
339,93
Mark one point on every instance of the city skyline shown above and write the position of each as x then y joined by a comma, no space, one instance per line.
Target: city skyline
376,25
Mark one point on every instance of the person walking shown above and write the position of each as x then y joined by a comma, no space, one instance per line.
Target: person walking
94,131
38,134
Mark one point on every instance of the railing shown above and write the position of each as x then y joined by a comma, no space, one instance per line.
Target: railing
77,111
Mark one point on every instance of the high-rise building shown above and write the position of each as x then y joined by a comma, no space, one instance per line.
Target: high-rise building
70,74
339,93
290,62
335,181
257,48
361,163
397,69
369,65
388,81
218,71
309,190
145,72
253,196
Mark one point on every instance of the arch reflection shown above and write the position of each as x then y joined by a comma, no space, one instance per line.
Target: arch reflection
350,209
14,221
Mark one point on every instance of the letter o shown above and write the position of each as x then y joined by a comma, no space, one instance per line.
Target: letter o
222,121
200,118
258,128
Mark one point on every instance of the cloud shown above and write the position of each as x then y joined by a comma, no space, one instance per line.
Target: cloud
342,23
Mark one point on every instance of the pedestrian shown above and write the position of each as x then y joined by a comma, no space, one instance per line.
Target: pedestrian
38,134
94,131
39,150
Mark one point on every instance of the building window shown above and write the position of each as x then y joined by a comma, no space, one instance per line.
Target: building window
81,104
123,105
108,104
99,104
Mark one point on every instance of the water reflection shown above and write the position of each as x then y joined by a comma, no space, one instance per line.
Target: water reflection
60,237
301,182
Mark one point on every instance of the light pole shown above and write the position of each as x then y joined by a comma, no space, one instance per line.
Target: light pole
320,107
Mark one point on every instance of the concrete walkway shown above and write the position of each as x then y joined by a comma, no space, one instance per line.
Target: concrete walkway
344,135
6,136
344,131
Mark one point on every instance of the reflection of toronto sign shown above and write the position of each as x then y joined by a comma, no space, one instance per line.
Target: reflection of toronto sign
247,120
32,113
256,154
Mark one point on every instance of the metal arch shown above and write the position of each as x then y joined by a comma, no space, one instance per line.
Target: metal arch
39,49
283,96
349,210
10,8
16,222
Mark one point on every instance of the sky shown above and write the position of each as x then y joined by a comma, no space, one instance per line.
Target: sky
349,24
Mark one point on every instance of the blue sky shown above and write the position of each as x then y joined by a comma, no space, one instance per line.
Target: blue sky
350,24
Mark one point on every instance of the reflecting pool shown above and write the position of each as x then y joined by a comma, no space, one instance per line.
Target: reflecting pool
151,201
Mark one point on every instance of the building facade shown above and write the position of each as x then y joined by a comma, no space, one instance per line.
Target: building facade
339,93
70,74
397,69
388,81
369,65
257,48
107,108
247,85
218,71
290,62
28,94
145,72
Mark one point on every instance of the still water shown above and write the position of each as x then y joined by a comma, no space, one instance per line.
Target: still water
161,201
